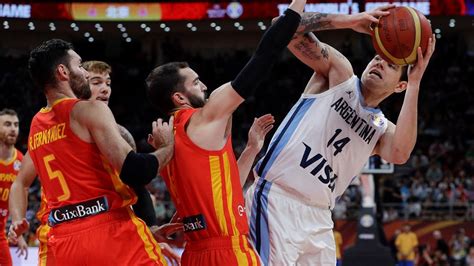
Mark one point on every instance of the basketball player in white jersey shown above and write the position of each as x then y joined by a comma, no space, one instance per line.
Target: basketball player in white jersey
325,140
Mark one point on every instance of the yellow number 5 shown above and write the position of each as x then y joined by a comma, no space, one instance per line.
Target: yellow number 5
57,174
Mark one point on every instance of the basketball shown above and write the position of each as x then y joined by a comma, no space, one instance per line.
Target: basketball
399,34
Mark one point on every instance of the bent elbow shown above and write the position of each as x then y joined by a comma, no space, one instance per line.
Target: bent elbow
400,157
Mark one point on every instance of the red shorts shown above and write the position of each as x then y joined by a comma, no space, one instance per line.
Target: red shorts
45,255
228,251
116,237
5,258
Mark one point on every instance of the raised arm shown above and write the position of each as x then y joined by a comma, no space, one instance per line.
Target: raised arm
399,140
256,137
97,120
224,100
326,61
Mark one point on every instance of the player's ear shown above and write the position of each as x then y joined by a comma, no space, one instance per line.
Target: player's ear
401,86
62,72
178,99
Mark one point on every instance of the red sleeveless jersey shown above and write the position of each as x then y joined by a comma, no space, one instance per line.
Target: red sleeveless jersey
71,170
8,171
205,186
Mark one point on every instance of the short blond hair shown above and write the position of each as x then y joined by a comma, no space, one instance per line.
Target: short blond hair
97,67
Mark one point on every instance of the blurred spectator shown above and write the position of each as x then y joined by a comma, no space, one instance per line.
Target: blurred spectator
423,257
406,243
393,246
441,249
459,245
434,172
470,257
419,160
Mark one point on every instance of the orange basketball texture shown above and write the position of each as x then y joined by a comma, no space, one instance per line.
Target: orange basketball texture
399,34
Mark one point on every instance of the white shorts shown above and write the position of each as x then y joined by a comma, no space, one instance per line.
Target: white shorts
286,231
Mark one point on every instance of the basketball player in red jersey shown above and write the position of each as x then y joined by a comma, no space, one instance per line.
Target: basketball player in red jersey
90,206
100,84
203,177
10,162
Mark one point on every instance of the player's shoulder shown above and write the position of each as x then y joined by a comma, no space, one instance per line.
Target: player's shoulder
90,104
89,110
19,154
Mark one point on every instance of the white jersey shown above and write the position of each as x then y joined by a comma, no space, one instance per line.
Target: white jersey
322,144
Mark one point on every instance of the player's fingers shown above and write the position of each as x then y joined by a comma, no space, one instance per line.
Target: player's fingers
431,47
380,13
385,7
265,116
173,228
264,127
11,232
420,60
171,121
270,120
267,129
265,120
373,18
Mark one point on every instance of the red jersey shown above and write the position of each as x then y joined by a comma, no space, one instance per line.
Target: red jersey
71,170
8,171
205,186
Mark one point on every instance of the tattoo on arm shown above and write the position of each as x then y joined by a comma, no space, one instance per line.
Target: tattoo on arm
315,22
325,52
127,137
308,48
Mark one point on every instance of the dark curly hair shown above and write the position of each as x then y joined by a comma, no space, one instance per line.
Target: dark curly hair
162,82
45,58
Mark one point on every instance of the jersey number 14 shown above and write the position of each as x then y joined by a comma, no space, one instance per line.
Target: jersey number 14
338,144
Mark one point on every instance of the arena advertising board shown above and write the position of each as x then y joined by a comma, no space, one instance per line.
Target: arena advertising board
377,165
200,10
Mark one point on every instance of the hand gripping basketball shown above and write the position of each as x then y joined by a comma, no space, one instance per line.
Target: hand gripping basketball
398,35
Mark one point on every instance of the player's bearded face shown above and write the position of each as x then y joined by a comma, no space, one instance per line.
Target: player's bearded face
197,100
79,85
8,129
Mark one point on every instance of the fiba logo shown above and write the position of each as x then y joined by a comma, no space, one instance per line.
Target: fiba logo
17,165
366,221
377,120
235,10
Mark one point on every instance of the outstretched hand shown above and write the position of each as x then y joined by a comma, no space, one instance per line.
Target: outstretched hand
22,248
362,22
173,257
16,230
259,129
416,71
163,233
162,133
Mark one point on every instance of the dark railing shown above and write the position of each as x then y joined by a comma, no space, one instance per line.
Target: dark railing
417,210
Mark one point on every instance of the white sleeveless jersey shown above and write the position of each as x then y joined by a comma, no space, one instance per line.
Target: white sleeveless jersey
322,144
